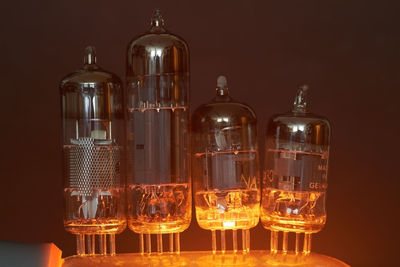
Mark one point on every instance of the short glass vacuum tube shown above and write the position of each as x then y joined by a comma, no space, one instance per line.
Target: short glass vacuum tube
93,134
295,174
159,190
225,167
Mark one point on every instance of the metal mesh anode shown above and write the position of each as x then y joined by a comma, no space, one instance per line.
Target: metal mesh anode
93,166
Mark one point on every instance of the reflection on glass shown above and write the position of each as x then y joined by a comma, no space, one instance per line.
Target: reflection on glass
255,258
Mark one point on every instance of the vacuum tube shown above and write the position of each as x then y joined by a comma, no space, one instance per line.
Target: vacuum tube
225,168
159,190
295,175
93,132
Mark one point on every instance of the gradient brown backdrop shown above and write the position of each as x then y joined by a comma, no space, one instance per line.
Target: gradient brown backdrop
348,51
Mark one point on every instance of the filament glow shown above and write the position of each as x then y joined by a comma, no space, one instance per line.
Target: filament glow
229,224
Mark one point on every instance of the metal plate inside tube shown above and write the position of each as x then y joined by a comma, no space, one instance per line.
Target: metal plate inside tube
93,165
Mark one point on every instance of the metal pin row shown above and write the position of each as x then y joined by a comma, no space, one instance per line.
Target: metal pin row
86,244
274,243
145,243
245,241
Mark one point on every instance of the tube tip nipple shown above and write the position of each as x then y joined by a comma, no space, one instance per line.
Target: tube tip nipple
301,101
157,21
90,55
222,82
304,87
222,86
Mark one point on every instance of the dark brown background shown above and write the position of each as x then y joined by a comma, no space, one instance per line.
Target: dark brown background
348,51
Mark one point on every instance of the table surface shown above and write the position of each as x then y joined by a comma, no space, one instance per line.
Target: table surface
204,259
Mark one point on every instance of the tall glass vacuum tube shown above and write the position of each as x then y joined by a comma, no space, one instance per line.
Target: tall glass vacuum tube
159,190
295,174
93,134
225,167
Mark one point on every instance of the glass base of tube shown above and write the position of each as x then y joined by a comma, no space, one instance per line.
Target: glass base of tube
145,243
86,244
285,243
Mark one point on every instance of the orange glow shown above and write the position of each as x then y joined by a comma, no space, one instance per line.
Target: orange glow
160,208
292,211
161,227
240,212
95,226
205,259
52,256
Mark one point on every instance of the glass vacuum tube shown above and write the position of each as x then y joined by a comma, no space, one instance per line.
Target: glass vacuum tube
295,174
225,167
159,190
93,134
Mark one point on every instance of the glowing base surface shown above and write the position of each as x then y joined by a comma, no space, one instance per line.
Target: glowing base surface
204,258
